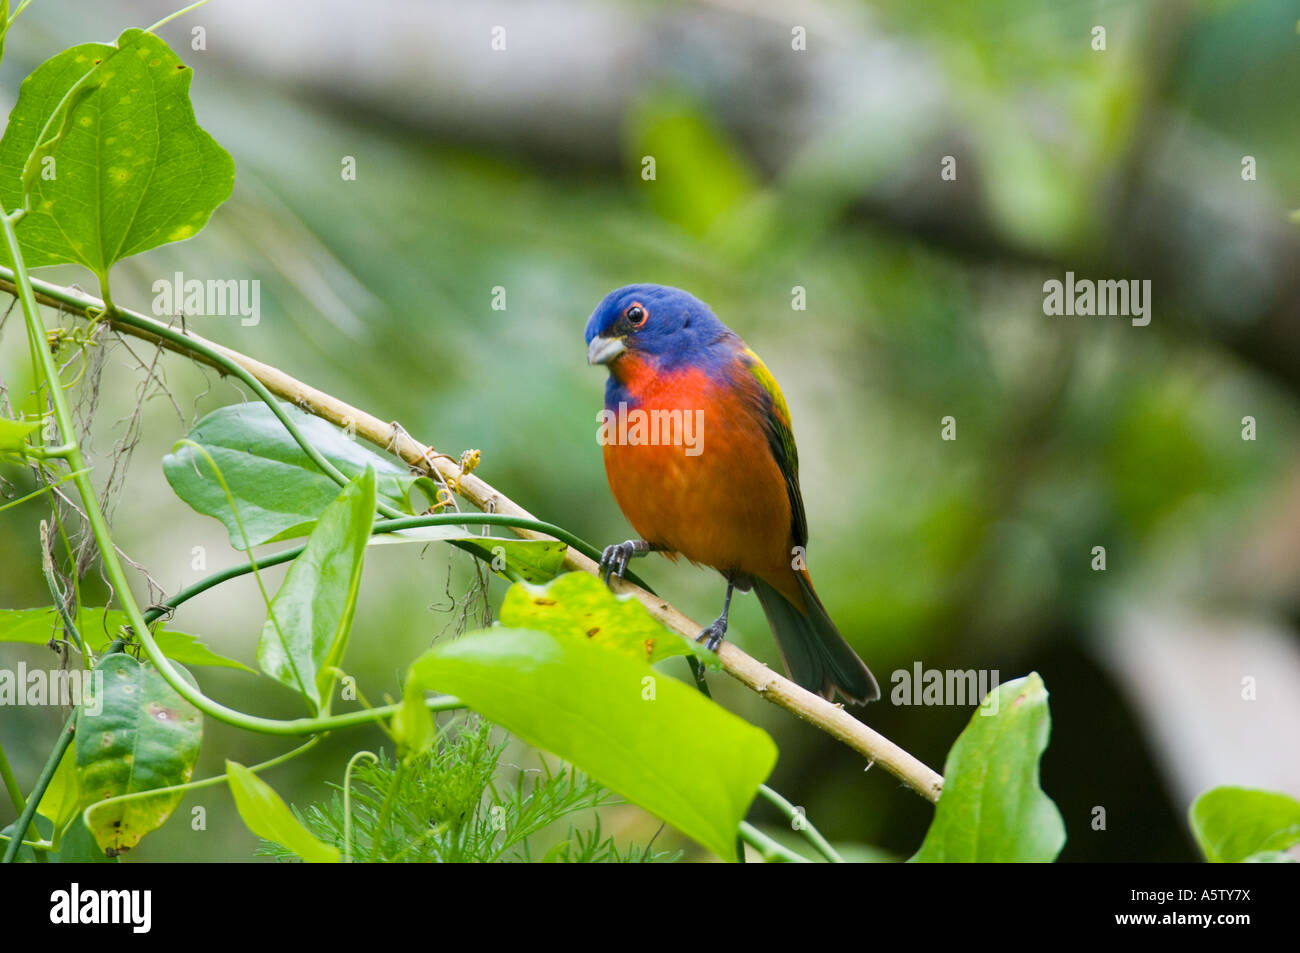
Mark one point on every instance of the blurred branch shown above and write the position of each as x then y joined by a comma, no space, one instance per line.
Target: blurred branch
830,718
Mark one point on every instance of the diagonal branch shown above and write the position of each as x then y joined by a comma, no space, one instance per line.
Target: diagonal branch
830,718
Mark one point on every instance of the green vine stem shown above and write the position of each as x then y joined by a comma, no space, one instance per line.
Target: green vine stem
801,824
11,783
387,526
347,801
767,847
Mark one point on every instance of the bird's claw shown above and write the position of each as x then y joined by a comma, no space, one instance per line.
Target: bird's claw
614,560
714,635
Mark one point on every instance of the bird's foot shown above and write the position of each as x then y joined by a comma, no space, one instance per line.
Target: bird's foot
712,636
614,560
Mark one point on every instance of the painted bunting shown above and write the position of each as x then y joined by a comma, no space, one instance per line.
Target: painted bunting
701,459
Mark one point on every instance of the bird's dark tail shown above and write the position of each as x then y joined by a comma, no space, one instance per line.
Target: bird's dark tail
815,653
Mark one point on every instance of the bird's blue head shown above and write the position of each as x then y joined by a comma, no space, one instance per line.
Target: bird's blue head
667,325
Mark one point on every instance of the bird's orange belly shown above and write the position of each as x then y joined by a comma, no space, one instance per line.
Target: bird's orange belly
725,507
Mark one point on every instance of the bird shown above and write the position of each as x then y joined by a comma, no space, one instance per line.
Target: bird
701,458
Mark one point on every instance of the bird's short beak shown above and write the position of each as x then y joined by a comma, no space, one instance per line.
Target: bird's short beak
602,350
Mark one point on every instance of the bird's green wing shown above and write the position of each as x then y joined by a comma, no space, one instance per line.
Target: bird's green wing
780,437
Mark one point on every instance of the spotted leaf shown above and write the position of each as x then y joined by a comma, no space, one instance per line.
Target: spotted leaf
104,149
134,734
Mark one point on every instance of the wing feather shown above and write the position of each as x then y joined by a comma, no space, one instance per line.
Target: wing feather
780,438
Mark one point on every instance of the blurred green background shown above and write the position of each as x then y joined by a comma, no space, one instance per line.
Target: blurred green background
775,168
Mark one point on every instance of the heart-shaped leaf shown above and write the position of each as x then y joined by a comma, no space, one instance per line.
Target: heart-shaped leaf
278,490
103,145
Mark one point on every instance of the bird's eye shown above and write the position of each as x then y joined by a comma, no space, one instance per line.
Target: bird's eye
635,315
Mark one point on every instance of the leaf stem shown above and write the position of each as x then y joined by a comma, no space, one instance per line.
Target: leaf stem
14,16
173,16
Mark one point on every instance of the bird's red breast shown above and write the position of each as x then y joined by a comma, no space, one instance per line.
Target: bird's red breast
726,506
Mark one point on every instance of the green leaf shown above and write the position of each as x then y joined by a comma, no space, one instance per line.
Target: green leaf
188,650
579,605
62,799
134,734
278,490
106,139
267,816
657,742
534,560
992,808
309,619
78,847
1239,824
14,433
98,628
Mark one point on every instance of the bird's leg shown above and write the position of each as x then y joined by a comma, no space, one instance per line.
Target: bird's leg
715,632
614,560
